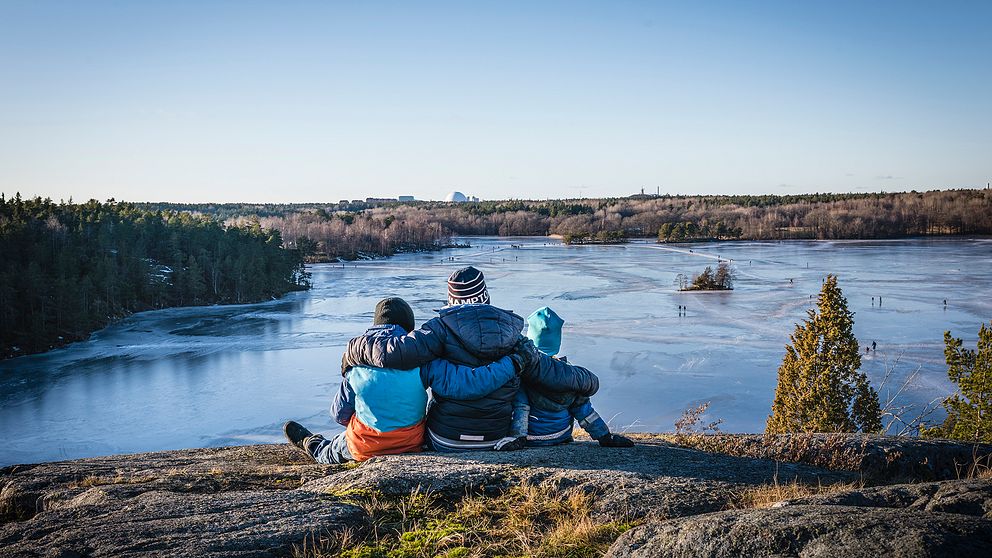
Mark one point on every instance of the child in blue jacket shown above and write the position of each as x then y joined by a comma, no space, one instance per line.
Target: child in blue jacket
547,418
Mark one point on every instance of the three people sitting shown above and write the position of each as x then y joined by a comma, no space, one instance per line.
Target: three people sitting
488,383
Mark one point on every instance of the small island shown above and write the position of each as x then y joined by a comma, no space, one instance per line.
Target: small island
600,237
721,280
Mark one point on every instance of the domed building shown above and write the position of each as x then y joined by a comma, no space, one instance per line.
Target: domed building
456,197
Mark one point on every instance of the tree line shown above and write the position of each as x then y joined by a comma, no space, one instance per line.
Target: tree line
348,229
686,218
68,269
324,236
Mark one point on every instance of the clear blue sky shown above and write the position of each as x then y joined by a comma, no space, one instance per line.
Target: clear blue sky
318,101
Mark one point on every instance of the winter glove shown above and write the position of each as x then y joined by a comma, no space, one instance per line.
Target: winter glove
524,355
615,441
510,443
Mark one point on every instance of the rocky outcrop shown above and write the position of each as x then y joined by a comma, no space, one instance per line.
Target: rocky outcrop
209,502
936,519
810,531
965,497
29,489
266,500
649,480
157,523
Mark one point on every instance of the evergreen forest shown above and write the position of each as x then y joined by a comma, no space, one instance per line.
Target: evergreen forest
69,269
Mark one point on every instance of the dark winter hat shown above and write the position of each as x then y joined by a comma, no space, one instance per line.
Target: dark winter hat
394,311
467,286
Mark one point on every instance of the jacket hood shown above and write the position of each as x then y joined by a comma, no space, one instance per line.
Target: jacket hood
485,331
385,330
376,332
544,329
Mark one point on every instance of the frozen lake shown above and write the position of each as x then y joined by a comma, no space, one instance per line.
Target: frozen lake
220,375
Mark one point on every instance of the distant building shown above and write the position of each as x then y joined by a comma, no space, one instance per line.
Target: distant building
406,198
380,200
643,196
457,197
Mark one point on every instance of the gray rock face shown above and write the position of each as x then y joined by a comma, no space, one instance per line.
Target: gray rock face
810,531
947,518
29,489
264,500
174,524
237,502
965,497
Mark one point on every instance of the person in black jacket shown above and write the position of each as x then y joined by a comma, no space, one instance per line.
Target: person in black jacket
472,332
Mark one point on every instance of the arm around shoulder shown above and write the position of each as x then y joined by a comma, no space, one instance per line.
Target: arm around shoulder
403,352
554,375
456,381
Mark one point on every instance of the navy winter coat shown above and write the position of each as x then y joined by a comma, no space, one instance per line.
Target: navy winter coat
473,335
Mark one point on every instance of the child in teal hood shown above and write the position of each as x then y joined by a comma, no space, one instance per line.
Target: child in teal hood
548,418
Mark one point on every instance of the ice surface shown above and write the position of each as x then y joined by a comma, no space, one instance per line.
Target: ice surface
220,375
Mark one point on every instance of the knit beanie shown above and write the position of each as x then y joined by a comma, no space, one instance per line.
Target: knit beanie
467,286
394,311
544,329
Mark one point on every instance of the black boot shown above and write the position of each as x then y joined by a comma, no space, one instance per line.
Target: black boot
296,433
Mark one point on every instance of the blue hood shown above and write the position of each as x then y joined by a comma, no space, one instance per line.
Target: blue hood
544,329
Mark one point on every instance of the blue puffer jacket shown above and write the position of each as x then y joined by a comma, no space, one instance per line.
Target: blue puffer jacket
473,335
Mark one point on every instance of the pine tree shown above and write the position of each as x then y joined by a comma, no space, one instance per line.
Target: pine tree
196,287
704,281
724,278
820,387
969,412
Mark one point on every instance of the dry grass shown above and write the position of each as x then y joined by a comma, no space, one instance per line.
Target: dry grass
523,521
694,429
844,452
980,466
767,495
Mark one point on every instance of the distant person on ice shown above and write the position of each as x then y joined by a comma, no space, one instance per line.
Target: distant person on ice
471,332
382,409
547,418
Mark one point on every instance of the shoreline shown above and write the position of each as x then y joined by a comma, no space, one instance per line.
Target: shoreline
118,319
